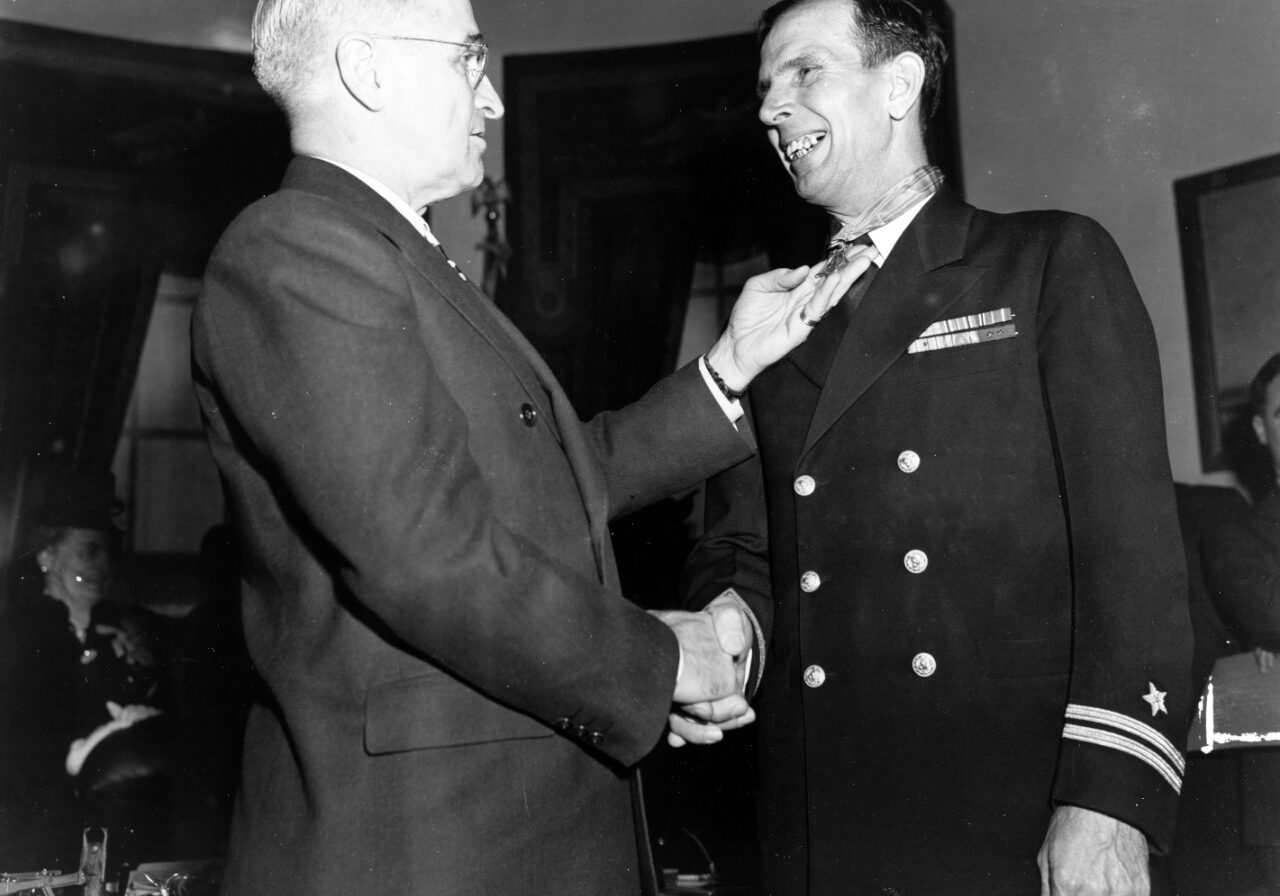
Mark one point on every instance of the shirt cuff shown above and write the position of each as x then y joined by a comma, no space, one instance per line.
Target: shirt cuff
732,409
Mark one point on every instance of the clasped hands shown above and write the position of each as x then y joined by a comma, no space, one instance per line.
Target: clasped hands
715,654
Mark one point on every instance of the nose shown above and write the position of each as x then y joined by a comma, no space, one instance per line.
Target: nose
774,107
487,100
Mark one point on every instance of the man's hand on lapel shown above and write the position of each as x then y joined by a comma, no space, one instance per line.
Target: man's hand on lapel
769,318
715,651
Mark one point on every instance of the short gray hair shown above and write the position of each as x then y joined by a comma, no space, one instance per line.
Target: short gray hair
293,39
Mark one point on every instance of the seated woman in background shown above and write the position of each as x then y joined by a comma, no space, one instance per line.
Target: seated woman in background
79,671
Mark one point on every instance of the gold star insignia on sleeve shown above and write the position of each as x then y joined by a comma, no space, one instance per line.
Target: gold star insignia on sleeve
1156,699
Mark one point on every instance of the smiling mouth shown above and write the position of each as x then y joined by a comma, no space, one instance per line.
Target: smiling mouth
803,145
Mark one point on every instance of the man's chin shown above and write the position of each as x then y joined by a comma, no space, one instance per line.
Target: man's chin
474,177
806,189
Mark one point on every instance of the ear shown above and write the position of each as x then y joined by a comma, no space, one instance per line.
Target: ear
44,558
360,70
1260,430
906,80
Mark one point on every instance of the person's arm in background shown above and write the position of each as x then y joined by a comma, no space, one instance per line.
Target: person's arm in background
122,717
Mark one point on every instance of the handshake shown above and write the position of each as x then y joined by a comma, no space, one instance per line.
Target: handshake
715,659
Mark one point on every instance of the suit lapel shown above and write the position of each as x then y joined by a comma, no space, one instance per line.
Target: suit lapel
316,176
923,277
544,391
510,345
526,364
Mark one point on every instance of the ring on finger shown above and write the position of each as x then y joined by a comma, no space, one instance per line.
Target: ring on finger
809,321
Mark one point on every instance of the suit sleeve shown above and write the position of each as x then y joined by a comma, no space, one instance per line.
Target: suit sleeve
1243,572
1130,689
651,448
308,334
733,554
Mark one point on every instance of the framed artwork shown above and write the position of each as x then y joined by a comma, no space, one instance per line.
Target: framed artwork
1229,222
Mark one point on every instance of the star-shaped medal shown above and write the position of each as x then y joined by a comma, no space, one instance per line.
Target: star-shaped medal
1156,699
836,259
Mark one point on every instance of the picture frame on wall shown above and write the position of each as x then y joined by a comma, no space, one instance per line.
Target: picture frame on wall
1229,227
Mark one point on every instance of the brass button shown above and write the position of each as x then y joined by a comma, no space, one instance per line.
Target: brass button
810,582
529,414
815,676
916,562
908,461
804,486
924,665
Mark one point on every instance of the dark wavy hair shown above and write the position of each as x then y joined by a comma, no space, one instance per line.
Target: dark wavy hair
881,30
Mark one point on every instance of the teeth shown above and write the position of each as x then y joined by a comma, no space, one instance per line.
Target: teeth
802,146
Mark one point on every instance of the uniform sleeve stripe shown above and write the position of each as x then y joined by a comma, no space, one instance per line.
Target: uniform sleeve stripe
1130,726
1101,738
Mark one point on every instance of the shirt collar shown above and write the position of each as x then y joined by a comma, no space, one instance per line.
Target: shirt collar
410,214
885,237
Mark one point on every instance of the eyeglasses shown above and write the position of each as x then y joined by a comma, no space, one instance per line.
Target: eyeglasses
474,58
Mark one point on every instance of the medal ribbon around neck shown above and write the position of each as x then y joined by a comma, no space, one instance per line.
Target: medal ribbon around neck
919,184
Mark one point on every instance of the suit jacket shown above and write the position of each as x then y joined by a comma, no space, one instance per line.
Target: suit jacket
1242,558
454,681
966,565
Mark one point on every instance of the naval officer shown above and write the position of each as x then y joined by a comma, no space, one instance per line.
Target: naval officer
958,539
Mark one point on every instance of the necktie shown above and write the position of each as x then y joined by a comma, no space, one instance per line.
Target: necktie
453,264
431,238
836,259
822,345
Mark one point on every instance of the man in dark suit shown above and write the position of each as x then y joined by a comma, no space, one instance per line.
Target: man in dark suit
1242,559
454,686
958,539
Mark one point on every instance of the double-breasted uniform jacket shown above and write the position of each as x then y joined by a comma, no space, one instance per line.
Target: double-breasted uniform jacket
1242,560
964,556
429,594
